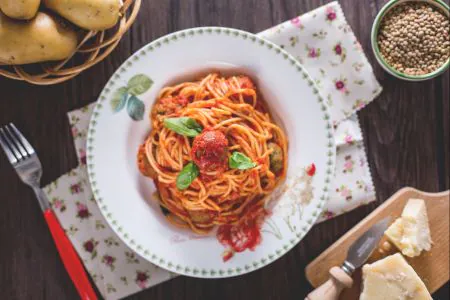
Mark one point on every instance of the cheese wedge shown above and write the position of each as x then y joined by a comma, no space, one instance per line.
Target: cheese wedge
392,278
411,233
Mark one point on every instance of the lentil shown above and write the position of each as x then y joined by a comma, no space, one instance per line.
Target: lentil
414,38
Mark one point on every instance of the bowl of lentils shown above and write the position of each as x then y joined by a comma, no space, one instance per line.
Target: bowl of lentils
410,38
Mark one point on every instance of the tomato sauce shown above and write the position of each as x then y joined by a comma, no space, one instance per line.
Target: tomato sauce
242,236
239,238
246,83
170,105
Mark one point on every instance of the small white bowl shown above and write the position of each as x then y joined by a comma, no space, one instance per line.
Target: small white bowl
441,5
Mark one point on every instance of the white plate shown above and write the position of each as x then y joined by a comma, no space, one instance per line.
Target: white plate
126,198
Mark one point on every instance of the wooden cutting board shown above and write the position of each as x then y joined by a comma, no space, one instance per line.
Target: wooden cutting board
431,266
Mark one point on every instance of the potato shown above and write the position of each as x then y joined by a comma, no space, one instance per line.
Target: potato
44,38
87,14
20,9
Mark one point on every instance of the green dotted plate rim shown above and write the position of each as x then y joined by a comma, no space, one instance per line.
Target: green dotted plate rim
188,270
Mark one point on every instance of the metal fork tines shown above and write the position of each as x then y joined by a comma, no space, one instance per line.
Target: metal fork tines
23,158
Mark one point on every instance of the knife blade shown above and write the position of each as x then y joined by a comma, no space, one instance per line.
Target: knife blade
357,255
362,248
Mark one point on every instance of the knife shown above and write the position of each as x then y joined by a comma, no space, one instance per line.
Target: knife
357,255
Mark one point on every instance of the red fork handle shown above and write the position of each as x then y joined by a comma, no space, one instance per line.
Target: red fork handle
69,257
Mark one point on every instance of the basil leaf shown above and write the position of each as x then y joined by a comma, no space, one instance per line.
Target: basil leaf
240,161
186,176
139,84
119,99
184,126
135,108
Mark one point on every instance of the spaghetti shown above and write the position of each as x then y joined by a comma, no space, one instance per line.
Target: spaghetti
213,152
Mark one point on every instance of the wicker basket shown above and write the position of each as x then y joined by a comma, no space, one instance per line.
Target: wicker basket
93,47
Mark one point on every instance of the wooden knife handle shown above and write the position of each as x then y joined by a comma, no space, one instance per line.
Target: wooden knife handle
331,289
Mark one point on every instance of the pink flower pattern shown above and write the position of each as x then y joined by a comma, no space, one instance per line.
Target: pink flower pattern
82,156
312,52
341,85
90,247
58,203
82,211
74,131
349,140
358,46
330,14
109,261
345,192
359,103
362,161
76,188
349,164
142,279
297,22
340,51
327,215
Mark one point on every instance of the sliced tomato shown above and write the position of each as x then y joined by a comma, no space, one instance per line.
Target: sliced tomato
311,170
227,255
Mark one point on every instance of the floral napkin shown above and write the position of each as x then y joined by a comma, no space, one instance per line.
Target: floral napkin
324,43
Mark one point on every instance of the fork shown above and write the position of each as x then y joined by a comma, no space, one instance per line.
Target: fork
25,161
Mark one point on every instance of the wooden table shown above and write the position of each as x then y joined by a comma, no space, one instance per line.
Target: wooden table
406,135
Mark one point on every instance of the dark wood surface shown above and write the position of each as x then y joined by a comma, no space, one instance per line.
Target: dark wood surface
406,135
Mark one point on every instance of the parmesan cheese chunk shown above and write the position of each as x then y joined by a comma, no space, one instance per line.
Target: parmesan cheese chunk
392,278
411,233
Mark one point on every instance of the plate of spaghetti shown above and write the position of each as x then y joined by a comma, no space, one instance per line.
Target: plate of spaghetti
210,152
